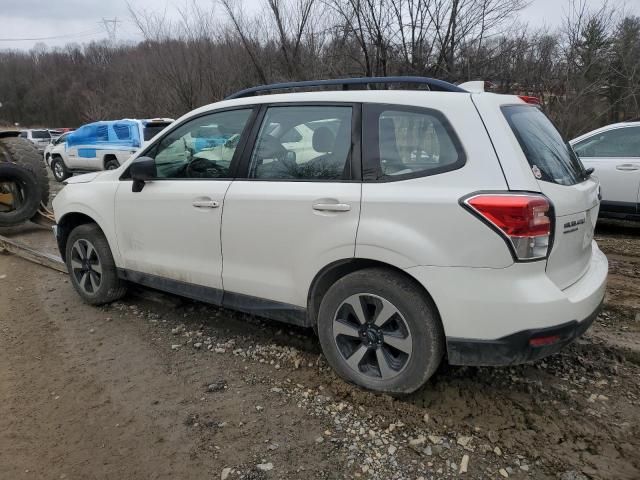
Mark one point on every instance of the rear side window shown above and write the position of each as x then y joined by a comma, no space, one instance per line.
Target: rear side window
403,142
549,155
122,131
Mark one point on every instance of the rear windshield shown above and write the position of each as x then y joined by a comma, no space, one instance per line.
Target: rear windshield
152,129
40,134
549,155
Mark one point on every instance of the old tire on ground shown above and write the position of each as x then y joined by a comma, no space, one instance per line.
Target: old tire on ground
26,189
59,169
380,330
21,151
91,267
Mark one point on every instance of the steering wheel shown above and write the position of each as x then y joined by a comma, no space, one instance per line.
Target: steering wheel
203,168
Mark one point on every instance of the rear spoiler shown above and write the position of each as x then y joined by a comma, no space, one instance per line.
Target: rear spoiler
480,86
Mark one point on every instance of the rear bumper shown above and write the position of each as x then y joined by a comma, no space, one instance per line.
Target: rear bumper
490,315
516,348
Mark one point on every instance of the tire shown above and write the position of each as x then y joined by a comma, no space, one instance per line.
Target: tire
409,339
95,277
111,164
27,188
21,151
59,169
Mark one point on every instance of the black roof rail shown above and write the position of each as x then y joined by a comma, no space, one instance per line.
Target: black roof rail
432,83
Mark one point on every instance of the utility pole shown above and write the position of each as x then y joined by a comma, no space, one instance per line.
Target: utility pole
111,26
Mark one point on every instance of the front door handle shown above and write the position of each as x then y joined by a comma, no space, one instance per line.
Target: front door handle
627,167
205,204
332,207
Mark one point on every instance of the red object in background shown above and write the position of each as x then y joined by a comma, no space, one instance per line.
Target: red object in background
529,99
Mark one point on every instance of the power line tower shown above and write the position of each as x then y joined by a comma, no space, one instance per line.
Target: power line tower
111,26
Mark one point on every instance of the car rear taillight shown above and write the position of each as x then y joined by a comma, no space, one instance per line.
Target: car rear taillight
524,221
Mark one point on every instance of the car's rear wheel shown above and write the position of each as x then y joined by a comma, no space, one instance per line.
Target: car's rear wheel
59,170
380,330
111,164
91,267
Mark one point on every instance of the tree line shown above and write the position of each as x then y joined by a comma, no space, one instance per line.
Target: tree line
585,71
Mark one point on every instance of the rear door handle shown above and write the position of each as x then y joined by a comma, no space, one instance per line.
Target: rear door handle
627,167
332,207
205,204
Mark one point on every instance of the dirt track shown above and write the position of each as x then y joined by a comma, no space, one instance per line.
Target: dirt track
158,390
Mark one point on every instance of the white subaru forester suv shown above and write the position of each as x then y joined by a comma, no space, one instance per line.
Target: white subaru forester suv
426,224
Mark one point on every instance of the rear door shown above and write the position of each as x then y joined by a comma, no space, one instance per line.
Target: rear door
615,157
291,215
561,177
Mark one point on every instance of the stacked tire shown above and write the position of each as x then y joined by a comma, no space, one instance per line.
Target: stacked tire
24,175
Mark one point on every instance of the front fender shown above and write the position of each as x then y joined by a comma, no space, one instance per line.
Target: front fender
93,200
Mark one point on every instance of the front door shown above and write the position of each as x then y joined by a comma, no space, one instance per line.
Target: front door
293,214
170,231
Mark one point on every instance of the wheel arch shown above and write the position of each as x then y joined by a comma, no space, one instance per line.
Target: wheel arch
108,157
334,271
65,226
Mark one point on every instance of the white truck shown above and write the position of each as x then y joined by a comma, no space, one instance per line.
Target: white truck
103,145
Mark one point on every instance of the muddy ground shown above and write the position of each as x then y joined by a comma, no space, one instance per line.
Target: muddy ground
147,389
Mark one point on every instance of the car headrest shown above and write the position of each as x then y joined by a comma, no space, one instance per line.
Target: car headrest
323,140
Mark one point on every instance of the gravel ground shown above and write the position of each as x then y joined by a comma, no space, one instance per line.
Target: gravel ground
178,389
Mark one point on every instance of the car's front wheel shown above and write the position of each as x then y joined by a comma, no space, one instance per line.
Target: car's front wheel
91,266
59,169
380,330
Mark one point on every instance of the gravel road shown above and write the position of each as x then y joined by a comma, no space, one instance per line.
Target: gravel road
146,389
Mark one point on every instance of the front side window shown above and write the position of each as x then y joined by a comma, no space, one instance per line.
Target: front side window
619,143
303,143
404,143
549,155
61,138
102,133
201,148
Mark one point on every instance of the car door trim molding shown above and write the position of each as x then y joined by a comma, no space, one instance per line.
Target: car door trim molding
280,311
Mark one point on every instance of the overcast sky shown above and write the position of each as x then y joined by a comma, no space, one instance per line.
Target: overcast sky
26,22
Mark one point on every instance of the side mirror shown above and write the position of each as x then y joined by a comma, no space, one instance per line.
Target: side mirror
142,170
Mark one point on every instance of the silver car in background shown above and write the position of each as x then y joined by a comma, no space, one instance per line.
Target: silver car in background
40,138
